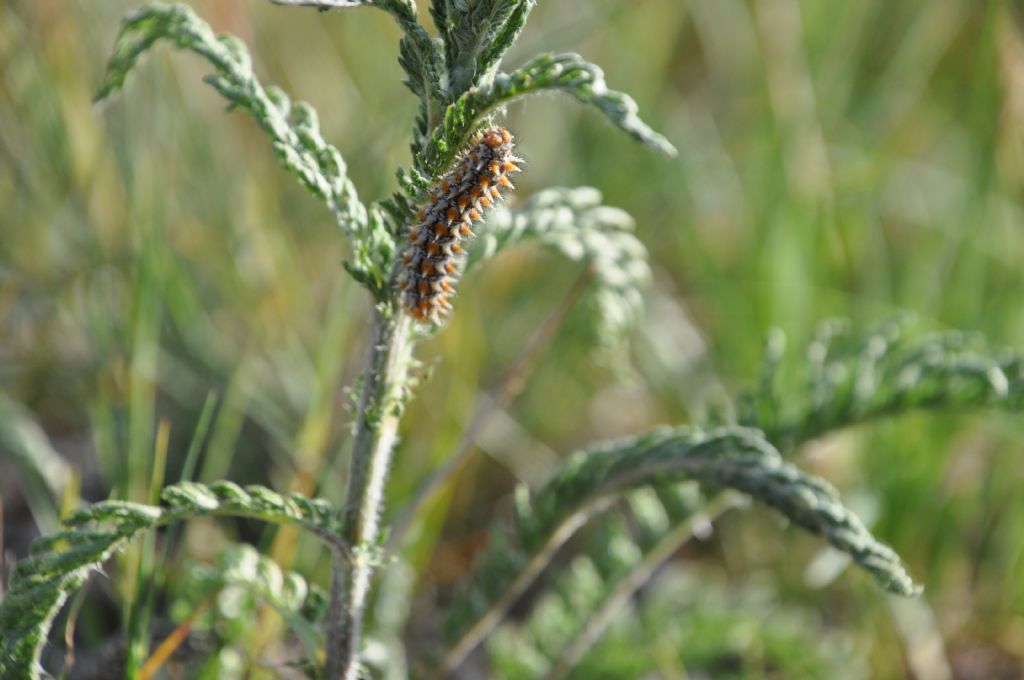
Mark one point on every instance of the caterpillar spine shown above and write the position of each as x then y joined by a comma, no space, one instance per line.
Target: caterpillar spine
433,258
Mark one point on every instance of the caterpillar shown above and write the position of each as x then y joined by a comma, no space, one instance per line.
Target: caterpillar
432,260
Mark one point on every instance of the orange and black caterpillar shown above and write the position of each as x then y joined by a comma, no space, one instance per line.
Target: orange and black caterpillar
431,261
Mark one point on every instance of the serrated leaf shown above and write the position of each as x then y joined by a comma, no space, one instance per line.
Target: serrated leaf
734,458
852,379
60,564
294,130
568,73
575,224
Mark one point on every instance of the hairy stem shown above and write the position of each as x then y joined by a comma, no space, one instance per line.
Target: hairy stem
376,432
335,611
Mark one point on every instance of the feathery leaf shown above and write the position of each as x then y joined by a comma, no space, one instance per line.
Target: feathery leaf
574,223
243,571
568,73
477,35
849,380
294,131
60,563
735,458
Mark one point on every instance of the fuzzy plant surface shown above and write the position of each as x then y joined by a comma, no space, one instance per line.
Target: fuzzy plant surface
460,158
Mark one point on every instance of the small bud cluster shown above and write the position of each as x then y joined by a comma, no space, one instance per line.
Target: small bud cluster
457,201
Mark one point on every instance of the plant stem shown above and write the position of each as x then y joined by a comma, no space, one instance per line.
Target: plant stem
376,432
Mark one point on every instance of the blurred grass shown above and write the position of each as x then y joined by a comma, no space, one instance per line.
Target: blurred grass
844,158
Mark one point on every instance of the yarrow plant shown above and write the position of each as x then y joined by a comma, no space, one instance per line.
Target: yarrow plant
408,250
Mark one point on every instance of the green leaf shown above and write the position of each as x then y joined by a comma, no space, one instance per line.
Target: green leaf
241,569
502,39
703,622
60,563
575,224
420,58
477,35
568,73
734,458
846,379
293,130
849,380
